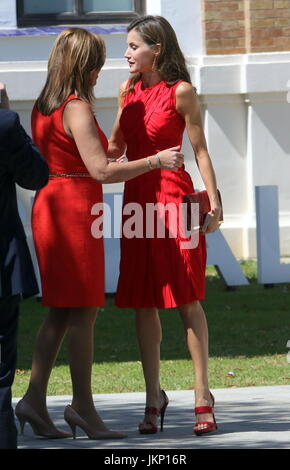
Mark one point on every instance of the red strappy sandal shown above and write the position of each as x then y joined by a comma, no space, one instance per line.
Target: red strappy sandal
150,410
209,425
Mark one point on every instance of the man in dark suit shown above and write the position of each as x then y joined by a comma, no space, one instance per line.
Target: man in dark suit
21,163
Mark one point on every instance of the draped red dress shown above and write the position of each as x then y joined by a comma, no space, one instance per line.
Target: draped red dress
156,271
71,260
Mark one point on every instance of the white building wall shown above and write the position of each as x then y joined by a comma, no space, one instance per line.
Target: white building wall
244,102
8,14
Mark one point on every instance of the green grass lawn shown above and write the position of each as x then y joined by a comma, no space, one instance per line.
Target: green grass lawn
248,330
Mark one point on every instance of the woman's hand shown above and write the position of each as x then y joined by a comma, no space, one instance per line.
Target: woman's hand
171,159
212,222
122,159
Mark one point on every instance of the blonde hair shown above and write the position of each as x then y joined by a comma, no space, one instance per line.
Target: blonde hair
76,53
170,62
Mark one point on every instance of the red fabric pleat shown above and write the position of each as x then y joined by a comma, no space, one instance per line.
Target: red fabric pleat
157,272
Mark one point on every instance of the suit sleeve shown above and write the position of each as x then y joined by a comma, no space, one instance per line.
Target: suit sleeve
25,162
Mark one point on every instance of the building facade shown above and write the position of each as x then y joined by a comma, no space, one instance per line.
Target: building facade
238,54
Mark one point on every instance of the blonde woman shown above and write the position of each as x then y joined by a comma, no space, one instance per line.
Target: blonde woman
71,260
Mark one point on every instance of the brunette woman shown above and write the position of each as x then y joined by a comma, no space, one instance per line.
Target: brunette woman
156,104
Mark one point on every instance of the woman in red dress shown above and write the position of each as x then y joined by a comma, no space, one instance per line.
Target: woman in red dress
156,105
71,259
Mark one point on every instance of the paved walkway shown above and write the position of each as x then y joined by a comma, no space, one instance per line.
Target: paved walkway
254,417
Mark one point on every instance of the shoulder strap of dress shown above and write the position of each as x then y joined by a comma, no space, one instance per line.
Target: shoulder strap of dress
176,84
63,105
70,98
180,81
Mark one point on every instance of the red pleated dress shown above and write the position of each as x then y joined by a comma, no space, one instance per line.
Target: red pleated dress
70,258
156,271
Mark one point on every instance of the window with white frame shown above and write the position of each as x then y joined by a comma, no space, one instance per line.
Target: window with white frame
53,12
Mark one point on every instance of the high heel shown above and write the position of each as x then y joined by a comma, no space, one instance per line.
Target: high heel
73,419
209,425
163,409
150,410
26,414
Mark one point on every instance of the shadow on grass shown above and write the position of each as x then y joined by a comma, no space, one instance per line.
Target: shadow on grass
249,321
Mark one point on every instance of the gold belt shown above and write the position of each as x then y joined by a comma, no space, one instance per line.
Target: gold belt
70,175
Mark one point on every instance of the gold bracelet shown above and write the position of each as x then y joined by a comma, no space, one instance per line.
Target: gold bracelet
158,161
149,163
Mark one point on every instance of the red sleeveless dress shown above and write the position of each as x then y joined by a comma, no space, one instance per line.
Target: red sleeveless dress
155,271
71,260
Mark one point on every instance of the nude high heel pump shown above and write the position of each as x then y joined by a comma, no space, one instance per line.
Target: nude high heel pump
26,414
73,419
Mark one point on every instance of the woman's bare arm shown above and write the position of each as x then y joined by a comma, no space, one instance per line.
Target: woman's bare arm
117,145
79,123
187,104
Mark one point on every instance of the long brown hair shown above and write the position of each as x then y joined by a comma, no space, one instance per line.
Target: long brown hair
170,62
76,53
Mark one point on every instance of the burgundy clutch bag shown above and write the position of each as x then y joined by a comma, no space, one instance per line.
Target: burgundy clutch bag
201,198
